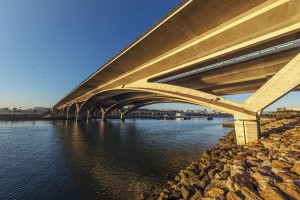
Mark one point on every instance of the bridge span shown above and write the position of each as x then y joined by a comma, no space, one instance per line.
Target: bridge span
198,52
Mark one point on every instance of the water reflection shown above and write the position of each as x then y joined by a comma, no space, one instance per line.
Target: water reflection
103,160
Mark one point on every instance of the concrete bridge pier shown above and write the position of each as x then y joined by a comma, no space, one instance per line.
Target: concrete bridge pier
87,115
104,116
246,129
122,116
77,115
67,114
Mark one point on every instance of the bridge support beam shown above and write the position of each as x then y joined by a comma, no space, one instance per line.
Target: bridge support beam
122,116
246,120
104,114
284,81
246,130
87,115
77,116
68,109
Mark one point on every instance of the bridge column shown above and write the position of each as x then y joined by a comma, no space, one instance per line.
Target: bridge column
87,115
246,129
284,81
77,117
122,116
104,114
68,109
55,112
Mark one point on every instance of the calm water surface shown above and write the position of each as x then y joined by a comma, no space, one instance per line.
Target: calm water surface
95,160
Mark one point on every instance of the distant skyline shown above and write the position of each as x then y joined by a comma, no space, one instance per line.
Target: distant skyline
47,48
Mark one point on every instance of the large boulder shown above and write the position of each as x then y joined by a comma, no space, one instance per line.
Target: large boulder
272,193
250,194
233,196
214,192
264,180
185,192
281,164
296,168
197,196
291,190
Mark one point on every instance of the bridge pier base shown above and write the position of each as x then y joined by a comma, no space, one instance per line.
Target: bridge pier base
78,118
246,130
122,117
67,113
87,115
104,117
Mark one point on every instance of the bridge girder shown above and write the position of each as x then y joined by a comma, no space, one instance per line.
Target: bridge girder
139,96
243,27
150,102
256,25
284,81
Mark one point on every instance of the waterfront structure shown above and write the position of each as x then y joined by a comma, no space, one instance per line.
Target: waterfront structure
287,112
198,52
4,111
35,110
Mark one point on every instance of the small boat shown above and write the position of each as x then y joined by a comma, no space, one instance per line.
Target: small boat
210,118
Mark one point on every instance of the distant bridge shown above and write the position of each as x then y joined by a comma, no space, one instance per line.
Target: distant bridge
198,52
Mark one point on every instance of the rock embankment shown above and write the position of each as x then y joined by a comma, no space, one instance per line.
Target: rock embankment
266,169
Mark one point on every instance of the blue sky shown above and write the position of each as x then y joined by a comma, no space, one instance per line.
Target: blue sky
48,47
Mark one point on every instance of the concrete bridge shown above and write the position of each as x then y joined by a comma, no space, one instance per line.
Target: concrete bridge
201,50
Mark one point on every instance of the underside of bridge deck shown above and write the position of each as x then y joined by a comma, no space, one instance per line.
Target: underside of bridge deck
209,50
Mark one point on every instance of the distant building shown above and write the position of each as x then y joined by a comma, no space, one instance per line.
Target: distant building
4,111
40,110
286,112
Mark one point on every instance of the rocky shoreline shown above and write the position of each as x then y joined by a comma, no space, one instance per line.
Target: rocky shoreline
266,169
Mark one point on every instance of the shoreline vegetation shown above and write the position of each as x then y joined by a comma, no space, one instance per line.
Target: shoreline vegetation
266,169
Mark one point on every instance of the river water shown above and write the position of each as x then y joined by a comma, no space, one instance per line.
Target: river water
96,160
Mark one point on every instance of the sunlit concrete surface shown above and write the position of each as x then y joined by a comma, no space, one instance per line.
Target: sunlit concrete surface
201,50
